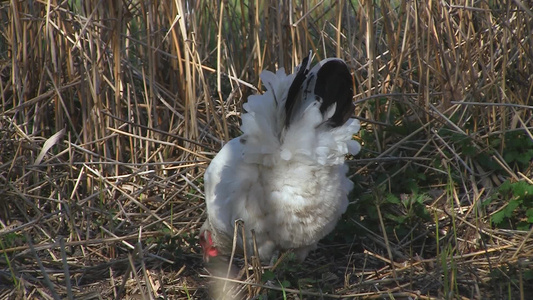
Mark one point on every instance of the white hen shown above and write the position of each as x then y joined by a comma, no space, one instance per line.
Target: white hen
285,176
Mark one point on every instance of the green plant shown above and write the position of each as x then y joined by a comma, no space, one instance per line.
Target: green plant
518,149
517,213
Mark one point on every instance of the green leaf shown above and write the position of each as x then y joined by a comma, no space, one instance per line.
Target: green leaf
422,198
412,185
285,283
469,150
497,218
529,214
392,199
520,189
268,275
421,176
529,189
528,275
523,159
372,212
510,156
505,187
524,226
495,143
511,206
398,219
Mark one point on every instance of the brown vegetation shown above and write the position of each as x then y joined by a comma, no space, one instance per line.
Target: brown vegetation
111,110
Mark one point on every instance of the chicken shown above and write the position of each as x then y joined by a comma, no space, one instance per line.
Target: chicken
285,176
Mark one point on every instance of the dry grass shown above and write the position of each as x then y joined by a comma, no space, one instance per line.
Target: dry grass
111,110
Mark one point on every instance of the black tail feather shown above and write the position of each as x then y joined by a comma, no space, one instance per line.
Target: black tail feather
334,84
294,89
